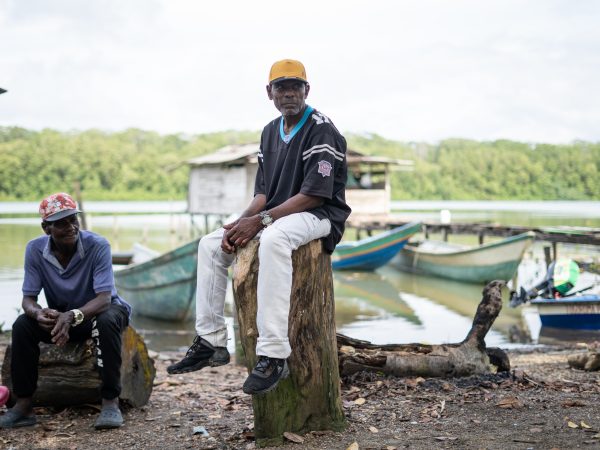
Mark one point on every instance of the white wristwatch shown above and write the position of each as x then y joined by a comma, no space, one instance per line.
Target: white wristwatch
77,317
265,218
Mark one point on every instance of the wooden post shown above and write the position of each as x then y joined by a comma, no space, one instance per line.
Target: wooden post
79,198
547,255
68,375
445,232
309,399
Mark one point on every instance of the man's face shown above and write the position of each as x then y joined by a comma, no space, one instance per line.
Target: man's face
288,96
64,232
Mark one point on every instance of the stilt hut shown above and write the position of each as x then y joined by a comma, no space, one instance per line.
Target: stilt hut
222,183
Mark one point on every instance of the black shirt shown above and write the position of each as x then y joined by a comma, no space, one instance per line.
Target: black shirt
312,162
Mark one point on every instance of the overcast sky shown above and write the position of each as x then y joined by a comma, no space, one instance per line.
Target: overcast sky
408,70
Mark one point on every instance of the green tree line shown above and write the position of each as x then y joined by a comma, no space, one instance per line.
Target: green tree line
460,169
128,165
143,165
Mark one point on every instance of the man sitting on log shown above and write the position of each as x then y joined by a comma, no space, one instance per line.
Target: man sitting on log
74,269
298,197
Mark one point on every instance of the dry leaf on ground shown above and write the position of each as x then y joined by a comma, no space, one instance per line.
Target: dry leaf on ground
445,438
293,437
572,403
510,403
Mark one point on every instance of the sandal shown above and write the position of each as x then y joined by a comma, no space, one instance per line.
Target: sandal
109,418
13,419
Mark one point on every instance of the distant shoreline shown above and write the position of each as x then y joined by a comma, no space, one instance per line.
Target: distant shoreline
591,208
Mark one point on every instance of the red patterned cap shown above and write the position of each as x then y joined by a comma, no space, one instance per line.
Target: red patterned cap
57,206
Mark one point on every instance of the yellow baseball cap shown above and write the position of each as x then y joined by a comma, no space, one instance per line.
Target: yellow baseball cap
287,69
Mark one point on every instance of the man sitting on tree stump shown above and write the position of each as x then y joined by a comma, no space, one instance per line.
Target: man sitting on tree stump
298,197
74,268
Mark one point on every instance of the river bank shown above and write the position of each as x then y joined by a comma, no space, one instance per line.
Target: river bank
541,403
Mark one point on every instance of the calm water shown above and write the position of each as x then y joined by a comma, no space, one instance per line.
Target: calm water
383,307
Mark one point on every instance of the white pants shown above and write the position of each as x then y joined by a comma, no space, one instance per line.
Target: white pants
274,282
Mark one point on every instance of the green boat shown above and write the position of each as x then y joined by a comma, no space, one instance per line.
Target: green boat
481,264
164,287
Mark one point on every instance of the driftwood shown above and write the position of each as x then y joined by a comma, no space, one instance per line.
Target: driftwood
589,361
310,398
68,375
470,357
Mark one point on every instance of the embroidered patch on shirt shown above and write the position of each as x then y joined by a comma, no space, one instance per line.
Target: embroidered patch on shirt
324,168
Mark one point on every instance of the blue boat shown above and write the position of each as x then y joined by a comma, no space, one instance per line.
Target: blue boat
576,313
375,251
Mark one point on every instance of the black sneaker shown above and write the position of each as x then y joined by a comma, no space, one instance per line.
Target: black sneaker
266,375
199,355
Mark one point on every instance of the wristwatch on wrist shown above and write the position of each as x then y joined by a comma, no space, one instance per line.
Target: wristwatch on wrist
77,317
265,218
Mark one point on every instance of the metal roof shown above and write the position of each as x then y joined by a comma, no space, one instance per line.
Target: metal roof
354,157
227,154
232,154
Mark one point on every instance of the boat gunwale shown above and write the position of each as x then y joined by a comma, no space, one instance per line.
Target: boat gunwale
369,250
398,233
530,235
584,300
160,260
155,286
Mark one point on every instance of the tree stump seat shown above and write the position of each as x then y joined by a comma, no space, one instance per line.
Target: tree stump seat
68,375
309,399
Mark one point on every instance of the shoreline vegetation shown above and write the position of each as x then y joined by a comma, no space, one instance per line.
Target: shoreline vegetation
143,165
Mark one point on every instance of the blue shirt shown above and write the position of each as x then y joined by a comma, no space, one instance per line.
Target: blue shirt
88,273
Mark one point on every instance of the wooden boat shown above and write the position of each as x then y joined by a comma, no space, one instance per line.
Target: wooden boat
576,315
163,287
375,251
494,261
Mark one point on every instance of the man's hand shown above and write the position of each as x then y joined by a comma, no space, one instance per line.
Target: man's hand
60,332
240,233
46,318
226,245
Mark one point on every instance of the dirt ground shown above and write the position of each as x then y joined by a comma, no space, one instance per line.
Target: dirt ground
540,404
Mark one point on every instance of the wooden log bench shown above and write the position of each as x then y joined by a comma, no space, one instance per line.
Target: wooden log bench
309,399
68,375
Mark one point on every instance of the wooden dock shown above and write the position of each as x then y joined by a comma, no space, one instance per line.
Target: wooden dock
570,235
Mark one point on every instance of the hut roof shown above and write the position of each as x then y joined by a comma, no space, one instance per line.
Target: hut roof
239,154
230,154
354,158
